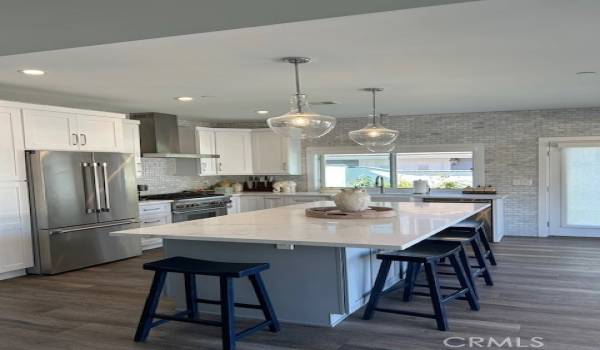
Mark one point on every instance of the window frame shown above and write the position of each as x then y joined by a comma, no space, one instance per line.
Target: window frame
315,165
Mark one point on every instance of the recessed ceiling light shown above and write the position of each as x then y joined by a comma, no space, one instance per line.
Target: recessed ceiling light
184,99
585,72
262,112
32,71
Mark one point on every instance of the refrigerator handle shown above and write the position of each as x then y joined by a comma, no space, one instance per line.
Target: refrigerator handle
86,195
96,186
106,192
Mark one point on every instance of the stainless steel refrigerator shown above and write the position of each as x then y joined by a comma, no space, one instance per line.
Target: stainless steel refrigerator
77,199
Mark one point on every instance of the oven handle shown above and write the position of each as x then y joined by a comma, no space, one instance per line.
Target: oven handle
197,211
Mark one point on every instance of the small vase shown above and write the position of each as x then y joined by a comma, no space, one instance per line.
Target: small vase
352,200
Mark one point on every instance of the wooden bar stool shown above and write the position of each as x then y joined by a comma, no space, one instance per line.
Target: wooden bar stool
468,238
226,273
426,253
478,227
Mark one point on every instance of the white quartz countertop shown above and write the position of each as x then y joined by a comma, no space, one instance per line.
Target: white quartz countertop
294,194
289,225
441,194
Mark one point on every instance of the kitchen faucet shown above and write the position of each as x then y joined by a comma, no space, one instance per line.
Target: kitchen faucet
380,183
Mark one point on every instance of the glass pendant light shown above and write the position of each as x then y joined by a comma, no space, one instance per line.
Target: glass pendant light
300,121
374,136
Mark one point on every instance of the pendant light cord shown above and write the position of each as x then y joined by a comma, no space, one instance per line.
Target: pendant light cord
298,103
374,111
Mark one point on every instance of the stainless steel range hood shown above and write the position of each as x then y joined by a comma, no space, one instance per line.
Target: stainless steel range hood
159,137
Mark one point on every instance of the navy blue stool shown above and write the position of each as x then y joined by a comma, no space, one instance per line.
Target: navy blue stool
429,254
226,273
479,228
468,238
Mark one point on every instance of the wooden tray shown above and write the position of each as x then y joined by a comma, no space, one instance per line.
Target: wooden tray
335,213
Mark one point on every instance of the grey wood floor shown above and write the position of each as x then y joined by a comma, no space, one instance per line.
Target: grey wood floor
548,288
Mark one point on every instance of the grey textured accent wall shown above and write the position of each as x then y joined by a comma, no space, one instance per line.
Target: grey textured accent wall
511,147
510,139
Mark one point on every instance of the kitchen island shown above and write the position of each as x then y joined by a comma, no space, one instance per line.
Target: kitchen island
321,269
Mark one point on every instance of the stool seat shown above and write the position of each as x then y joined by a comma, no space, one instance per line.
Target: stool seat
455,236
181,264
422,252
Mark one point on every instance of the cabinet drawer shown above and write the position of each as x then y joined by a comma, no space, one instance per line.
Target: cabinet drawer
151,209
155,220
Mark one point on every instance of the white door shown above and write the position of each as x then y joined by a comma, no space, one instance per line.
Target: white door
45,130
100,134
16,251
235,148
12,147
205,144
574,189
268,153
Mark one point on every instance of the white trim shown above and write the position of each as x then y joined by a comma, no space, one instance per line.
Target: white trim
478,150
22,105
544,176
12,274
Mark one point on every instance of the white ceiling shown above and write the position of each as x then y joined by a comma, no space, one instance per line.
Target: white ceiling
42,25
473,56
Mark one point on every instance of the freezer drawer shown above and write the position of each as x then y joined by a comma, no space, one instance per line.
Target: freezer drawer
72,248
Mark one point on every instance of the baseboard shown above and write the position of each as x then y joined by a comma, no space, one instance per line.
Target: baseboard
12,274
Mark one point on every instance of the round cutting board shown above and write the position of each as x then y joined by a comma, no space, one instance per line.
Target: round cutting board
335,213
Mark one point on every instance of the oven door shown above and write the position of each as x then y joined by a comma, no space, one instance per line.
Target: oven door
187,215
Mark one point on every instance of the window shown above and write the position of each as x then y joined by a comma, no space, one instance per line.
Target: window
447,170
355,170
450,167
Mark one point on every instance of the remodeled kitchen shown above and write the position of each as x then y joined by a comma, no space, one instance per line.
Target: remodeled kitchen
343,176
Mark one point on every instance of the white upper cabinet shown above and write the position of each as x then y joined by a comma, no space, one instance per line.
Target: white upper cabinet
12,147
66,131
50,130
100,134
235,148
131,143
15,231
273,154
205,144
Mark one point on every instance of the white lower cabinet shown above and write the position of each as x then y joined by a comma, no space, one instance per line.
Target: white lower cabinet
258,202
273,202
251,203
154,214
234,206
16,251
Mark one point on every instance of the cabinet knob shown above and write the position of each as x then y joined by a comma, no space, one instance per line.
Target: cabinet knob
75,139
83,139
285,166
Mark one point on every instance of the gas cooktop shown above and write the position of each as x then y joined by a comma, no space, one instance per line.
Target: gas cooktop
180,195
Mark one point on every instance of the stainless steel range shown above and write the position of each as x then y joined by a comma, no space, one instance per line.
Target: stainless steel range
194,205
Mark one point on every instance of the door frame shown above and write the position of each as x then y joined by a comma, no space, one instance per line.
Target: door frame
544,178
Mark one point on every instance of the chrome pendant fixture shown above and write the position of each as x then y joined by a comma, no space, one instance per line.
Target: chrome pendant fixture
374,136
300,121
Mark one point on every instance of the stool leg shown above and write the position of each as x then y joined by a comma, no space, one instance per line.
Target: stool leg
464,281
384,269
436,296
464,260
482,261
150,306
191,295
412,274
265,302
227,313
486,245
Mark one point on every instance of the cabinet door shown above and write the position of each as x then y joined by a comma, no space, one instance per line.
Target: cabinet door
273,202
205,144
16,251
12,147
268,152
251,203
235,149
131,144
45,130
234,207
100,134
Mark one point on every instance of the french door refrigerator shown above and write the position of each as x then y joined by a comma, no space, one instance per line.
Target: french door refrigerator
77,199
